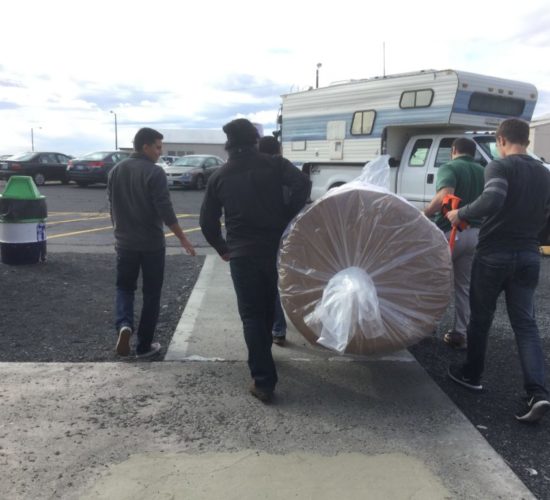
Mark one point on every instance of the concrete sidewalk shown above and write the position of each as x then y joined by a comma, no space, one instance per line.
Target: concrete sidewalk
186,428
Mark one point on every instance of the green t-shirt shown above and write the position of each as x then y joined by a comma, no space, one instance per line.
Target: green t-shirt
466,177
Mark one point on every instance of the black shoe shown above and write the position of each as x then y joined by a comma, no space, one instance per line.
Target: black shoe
279,340
534,410
456,374
263,395
153,351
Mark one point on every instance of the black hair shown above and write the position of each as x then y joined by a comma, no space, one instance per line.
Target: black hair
269,145
515,131
240,133
465,146
145,136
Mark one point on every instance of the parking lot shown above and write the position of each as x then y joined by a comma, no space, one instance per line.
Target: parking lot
78,218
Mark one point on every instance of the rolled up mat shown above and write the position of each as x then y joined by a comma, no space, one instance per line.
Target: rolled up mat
362,271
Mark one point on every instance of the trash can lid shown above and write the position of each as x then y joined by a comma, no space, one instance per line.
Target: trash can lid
21,187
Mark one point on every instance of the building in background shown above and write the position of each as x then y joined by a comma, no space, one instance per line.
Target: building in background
193,141
539,137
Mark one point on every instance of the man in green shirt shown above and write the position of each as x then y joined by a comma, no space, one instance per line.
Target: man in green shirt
463,177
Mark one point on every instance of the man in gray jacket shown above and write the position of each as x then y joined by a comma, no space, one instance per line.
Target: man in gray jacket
140,203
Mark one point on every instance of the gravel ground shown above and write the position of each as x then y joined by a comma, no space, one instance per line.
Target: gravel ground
524,447
63,310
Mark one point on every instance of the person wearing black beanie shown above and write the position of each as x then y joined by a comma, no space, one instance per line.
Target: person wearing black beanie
248,190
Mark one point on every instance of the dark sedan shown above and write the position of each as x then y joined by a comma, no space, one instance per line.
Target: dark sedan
42,167
94,167
192,170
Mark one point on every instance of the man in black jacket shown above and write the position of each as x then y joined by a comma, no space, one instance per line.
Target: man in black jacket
249,190
140,203
515,205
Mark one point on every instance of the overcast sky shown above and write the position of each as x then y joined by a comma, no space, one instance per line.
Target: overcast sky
64,65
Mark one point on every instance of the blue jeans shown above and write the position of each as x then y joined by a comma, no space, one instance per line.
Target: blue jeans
516,273
255,283
279,321
129,264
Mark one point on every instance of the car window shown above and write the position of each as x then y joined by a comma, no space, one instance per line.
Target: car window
444,151
62,159
47,158
96,156
210,162
420,152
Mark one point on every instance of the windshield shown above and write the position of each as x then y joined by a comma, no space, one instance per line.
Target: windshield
23,156
189,161
489,145
94,156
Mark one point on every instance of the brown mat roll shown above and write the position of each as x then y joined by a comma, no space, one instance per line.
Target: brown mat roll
404,254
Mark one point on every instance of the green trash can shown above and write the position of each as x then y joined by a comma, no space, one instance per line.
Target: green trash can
23,213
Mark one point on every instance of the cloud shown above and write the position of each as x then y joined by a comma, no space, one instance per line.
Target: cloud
8,105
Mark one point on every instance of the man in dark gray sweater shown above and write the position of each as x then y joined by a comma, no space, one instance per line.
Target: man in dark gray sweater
140,203
249,191
515,206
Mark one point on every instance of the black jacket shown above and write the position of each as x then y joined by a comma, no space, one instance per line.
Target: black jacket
249,190
140,202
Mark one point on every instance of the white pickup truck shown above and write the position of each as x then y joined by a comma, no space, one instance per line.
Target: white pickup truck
332,132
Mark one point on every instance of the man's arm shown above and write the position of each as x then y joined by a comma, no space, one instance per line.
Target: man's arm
491,199
211,212
437,201
160,196
299,187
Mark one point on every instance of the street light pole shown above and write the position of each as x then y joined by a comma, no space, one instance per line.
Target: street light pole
116,130
32,138
317,75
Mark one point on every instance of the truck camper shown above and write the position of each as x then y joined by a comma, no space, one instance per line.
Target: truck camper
332,132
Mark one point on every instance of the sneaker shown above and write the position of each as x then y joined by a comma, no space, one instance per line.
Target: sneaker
535,409
455,339
154,349
263,395
123,343
279,340
456,374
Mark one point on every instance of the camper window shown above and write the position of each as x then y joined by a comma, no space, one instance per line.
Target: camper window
496,104
416,99
363,122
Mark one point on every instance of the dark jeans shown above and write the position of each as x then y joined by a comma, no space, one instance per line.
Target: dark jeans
151,264
255,282
515,273
279,321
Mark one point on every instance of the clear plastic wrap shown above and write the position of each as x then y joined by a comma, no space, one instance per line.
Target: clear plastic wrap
363,271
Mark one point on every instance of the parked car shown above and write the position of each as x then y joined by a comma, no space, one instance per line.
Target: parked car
5,157
94,168
192,170
170,159
41,166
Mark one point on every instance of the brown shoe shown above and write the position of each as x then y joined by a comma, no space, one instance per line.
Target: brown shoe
455,340
263,395
123,344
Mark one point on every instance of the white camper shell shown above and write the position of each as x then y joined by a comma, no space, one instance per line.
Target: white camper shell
333,131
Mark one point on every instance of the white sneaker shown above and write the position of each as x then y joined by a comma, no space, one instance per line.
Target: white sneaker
123,343
155,349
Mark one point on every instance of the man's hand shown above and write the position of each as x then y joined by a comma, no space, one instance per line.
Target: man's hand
453,217
187,246
225,257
